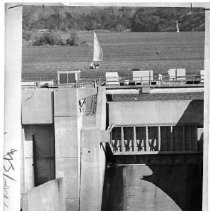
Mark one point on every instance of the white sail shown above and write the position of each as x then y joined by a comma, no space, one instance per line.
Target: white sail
177,27
97,50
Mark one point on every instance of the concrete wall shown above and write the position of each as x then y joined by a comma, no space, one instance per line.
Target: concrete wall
92,169
48,196
39,150
37,106
156,112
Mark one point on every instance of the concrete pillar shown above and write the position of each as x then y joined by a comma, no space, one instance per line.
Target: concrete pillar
101,108
93,157
92,169
22,179
12,111
68,125
206,111
67,144
28,166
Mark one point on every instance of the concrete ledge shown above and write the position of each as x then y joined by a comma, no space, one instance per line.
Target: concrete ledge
37,106
65,102
178,90
157,90
155,97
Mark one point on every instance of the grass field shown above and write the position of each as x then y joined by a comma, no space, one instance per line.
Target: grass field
122,53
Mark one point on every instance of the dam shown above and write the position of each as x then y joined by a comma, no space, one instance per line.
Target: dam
113,144
75,155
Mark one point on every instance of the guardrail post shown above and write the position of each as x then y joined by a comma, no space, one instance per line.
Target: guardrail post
159,139
171,138
147,139
134,140
122,140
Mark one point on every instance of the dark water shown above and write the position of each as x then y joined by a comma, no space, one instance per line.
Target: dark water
153,188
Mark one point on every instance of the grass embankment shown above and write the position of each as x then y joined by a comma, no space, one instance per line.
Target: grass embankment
122,53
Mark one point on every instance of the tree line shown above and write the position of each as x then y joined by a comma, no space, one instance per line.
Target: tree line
113,19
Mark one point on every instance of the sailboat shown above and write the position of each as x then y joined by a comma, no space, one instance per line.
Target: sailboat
97,54
177,27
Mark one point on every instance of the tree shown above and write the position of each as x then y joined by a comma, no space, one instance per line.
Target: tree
73,40
113,18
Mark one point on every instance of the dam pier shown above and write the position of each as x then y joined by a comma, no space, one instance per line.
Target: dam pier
112,145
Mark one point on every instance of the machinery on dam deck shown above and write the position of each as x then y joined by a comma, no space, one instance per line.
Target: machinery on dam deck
139,78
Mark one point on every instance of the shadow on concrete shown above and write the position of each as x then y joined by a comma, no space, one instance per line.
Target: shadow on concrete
167,187
112,191
182,183
200,143
153,187
194,114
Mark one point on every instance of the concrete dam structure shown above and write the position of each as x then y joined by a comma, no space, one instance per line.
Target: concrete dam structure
113,147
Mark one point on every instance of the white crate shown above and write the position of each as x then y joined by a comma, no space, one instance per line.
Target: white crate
142,76
112,78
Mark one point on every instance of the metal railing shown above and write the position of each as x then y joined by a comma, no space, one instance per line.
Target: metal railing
155,145
154,81
165,80
88,105
38,82
141,147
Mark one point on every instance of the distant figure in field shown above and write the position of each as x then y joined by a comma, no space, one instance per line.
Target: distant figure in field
94,66
158,52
